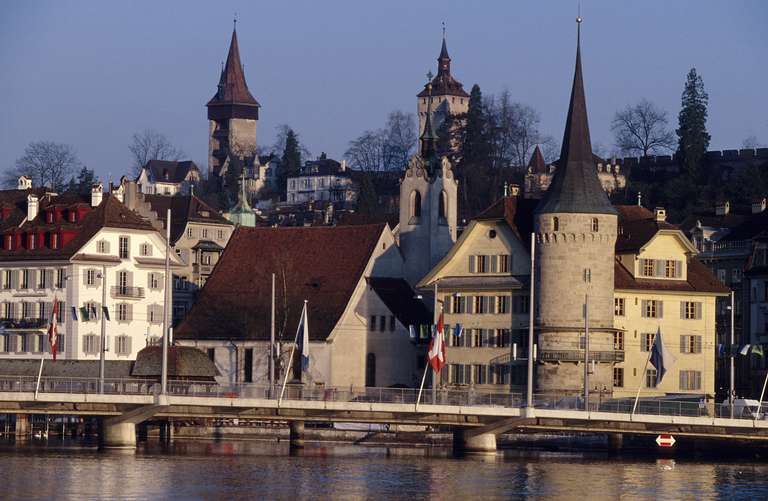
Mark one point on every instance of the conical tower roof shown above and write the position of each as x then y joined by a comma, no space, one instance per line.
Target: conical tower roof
575,187
537,164
232,88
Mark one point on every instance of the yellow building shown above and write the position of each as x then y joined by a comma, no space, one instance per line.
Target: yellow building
661,286
482,284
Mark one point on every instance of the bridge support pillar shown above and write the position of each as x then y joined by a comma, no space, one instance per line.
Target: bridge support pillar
615,441
118,435
466,442
296,434
22,427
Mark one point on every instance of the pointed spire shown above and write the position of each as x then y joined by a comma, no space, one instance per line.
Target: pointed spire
429,136
575,186
536,164
232,86
444,60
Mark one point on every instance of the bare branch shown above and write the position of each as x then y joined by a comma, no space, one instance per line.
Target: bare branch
642,130
46,163
151,145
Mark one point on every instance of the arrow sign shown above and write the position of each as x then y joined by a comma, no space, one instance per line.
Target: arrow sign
665,440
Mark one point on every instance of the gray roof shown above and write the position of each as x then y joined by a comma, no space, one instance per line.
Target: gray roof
183,362
480,283
113,369
575,187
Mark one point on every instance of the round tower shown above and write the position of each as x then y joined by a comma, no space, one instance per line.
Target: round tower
575,226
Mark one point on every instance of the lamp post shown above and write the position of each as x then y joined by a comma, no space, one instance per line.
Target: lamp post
103,339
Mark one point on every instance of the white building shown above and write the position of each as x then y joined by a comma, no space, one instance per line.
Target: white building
75,250
322,180
163,177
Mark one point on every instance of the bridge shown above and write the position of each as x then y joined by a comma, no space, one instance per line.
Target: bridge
476,418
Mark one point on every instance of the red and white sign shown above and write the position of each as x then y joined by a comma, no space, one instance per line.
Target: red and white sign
665,440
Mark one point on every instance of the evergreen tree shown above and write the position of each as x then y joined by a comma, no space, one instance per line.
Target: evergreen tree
290,163
693,138
367,200
85,179
472,168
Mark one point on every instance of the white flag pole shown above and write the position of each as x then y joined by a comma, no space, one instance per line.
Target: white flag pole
642,376
290,358
421,388
39,373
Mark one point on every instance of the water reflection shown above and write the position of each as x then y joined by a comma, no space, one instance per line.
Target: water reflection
266,470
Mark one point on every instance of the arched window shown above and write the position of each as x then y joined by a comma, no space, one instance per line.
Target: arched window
595,224
555,224
415,204
370,370
442,205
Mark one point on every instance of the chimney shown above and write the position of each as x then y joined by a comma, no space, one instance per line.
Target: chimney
343,165
130,197
723,208
514,190
660,214
118,191
97,194
25,183
32,206
758,205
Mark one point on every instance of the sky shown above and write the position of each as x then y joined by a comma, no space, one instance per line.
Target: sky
92,73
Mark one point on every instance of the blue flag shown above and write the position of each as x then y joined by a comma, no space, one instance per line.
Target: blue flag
661,358
458,330
302,339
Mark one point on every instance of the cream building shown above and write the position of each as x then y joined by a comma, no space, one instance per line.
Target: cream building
661,285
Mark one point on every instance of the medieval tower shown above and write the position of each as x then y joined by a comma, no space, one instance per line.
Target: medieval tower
428,199
448,95
575,226
232,115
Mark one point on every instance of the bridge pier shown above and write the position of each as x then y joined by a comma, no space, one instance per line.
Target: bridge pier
118,434
22,427
296,434
615,441
467,442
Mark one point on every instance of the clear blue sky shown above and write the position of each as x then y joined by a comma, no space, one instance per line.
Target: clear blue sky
92,73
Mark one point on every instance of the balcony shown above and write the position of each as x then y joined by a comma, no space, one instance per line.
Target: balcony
708,248
24,323
202,269
126,292
578,356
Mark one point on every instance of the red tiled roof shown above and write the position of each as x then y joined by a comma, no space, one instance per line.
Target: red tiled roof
637,226
537,163
184,208
232,86
516,211
700,279
319,264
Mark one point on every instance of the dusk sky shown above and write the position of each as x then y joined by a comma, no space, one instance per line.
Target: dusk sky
90,74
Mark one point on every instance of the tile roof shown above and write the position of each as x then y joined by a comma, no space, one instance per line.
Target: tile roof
537,163
167,171
183,362
184,208
322,265
232,86
401,300
66,368
516,211
444,83
700,279
637,226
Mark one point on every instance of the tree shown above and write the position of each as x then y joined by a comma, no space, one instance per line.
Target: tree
693,138
150,144
290,163
367,199
83,183
278,147
642,129
386,149
751,142
46,163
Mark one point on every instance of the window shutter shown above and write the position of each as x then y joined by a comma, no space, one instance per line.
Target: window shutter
471,264
130,279
129,312
683,380
698,311
697,344
128,343
678,269
659,267
682,344
644,307
682,309
15,278
160,281
49,279
85,277
32,277
494,263
659,308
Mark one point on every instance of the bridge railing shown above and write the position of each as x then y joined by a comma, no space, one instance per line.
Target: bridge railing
112,386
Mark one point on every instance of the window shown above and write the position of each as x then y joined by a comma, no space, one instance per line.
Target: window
391,323
555,224
648,267
32,242
24,279
483,304
90,277
190,233
90,312
415,204
72,216
123,345
736,275
441,206
480,374
650,378
54,240
60,278
503,263
721,275
7,279
123,247
211,354
619,306
652,308
618,377
8,310
458,304
42,279
145,250
62,314
155,313
502,304
690,380
595,225
372,324
27,310
42,311
205,232
618,341
123,312
122,282
671,269
220,234
102,247
646,341
690,310
520,304
90,344
25,342
690,344
155,280
382,323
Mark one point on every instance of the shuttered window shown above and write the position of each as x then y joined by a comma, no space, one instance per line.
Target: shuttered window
690,344
123,345
652,308
690,310
690,380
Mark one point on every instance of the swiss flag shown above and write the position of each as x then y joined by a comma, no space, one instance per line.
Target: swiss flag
52,334
436,352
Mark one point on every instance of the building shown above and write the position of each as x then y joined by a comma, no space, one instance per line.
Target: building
242,214
575,226
483,285
660,285
359,308
322,180
539,175
428,206
199,235
163,177
76,250
447,93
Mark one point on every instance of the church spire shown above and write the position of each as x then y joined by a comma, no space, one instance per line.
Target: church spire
575,186
444,60
232,88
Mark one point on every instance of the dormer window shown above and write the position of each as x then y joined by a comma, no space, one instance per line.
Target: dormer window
54,241
9,242
32,242
72,216
555,224
49,216
595,225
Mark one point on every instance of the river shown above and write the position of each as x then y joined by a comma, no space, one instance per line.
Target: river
224,470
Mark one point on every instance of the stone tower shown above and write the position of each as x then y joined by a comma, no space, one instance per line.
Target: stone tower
428,198
448,95
232,115
575,226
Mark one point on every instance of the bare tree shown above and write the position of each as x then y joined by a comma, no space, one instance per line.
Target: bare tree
384,149
751,142
513,129
150,144
46,163
278,147
400,138
642,129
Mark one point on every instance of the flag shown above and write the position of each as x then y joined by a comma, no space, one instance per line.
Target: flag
423,331
458,330
105,310
744,349
758,350
74,313
53,336
436,351
302,336
721,350
412,332
661,358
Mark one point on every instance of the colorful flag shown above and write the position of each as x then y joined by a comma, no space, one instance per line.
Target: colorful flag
53,335
758,350
302,336
744,349
74,313
458,330
436,351
661,358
